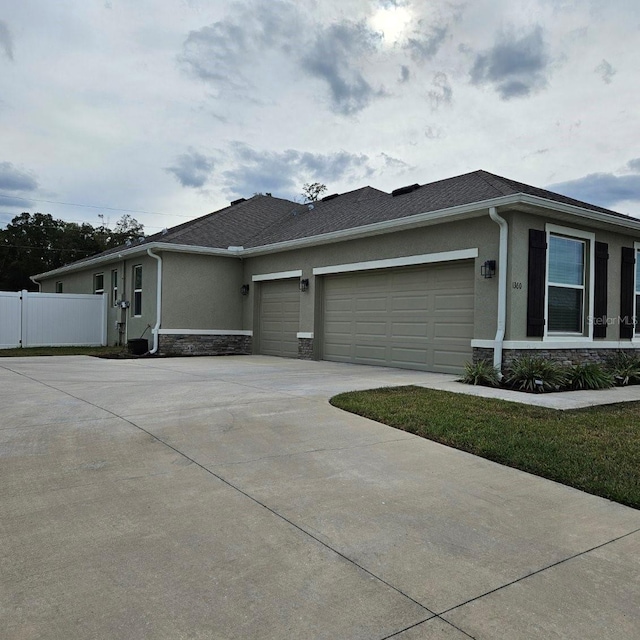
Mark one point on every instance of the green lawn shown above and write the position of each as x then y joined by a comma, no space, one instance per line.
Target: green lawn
62,351
596,449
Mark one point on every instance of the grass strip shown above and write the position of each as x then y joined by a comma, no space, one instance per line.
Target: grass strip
61,351
596,449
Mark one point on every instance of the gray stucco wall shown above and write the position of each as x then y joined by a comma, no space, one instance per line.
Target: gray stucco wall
201,292
519,226
480,232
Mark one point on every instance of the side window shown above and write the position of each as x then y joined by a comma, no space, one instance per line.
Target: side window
98,283
637,292
137,290
58,287
114,287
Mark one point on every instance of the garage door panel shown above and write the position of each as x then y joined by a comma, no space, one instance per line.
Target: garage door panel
409,317
377,303
403,304
412,330
456,330
279,318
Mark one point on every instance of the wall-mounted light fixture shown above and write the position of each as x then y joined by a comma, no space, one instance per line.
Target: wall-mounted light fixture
244,289
304,284
488,269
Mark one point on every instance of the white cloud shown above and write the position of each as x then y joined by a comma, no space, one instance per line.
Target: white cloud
174,107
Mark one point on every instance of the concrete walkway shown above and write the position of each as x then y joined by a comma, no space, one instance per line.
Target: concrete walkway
224,498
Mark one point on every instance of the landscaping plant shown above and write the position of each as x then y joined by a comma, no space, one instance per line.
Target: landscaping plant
536,374
589,375
624,367
481,373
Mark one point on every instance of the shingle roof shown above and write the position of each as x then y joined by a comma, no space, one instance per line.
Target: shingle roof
263,220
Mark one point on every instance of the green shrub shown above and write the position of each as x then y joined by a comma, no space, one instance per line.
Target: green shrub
481,373
536,374
589,375
624,367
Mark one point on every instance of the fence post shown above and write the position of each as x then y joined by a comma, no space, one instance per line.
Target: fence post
24,304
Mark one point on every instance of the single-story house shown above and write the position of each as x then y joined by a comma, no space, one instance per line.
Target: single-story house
426,277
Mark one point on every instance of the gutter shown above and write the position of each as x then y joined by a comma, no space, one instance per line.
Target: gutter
407,222
156,328
502,288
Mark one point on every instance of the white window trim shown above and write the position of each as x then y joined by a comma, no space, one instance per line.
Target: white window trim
96,290
114,290
590,254
636,247
406,261
568,343
133,297
280,275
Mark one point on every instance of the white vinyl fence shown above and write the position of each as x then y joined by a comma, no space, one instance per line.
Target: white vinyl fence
30,319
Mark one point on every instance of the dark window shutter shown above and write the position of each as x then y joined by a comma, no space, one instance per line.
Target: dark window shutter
600,290
535,289
627,293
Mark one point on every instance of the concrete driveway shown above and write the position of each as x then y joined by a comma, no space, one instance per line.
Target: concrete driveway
224,498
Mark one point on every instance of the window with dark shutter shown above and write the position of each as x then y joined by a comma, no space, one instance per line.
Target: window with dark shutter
627,293
600,290
536,282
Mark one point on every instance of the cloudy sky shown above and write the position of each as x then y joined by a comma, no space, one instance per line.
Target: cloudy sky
169,109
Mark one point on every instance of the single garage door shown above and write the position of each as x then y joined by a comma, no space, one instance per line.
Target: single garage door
415,318
279,317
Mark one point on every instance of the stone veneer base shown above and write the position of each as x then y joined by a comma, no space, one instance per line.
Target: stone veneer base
204,345
563,356
305,348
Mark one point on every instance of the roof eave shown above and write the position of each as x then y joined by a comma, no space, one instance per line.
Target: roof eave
420,219
131,252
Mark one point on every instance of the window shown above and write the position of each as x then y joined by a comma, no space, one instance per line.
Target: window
114,287
137,290
566,284
98,283
58,287
637,291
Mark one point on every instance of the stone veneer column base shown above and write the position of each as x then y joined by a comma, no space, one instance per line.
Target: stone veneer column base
204,345
562,356
305,348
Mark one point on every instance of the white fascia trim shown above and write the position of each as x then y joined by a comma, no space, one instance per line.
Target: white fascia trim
425,258
280,275
305,334
537,201
204,332
475,209
556,344
141,249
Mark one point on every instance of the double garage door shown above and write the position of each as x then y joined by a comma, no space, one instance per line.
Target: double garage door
415,318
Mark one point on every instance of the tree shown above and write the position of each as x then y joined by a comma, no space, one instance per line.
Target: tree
311,192
34,243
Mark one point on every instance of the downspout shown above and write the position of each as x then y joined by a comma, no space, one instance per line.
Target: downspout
36,282
156,328
502,287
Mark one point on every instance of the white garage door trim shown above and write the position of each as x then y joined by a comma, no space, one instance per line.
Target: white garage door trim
406,261
280,275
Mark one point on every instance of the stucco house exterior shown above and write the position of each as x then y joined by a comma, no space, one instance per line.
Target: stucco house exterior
427,277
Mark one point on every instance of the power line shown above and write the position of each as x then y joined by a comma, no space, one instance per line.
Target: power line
94,206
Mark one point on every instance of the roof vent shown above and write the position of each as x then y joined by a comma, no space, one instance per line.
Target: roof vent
165,231
310,207
140,239
331,197
238,201
402,190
